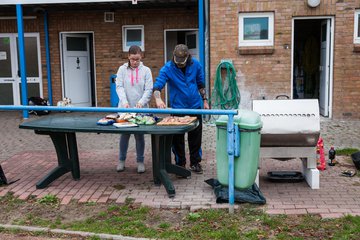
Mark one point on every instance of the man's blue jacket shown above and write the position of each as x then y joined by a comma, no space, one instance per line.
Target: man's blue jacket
184,88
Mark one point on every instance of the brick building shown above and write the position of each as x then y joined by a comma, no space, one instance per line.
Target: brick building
302,49
87,43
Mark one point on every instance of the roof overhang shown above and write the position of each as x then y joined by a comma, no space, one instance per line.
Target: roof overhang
13,2
84,5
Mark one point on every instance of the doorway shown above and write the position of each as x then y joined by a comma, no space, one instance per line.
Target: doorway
174,37
77,68
10,79
312,61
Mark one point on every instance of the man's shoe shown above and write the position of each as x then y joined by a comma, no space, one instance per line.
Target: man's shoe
140,167
121,166
196,168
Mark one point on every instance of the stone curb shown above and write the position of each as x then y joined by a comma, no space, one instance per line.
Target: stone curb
73,233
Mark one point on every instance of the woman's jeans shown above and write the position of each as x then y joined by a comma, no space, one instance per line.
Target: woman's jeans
140,146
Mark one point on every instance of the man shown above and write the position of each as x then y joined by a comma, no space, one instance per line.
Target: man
185,79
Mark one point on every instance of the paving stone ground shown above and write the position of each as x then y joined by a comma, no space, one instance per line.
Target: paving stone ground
28,157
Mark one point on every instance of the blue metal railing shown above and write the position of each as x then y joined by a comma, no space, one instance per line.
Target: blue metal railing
232,138
20,26
48,65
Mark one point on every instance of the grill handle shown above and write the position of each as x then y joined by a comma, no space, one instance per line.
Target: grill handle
282,96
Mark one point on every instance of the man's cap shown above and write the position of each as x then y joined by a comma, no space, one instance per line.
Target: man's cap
181,52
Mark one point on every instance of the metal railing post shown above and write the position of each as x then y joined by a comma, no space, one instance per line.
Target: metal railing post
20,26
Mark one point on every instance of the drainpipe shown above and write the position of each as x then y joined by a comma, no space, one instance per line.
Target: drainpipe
48,66
207,51
20,26
201,32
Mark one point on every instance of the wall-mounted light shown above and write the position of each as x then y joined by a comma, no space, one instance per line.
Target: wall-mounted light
313,3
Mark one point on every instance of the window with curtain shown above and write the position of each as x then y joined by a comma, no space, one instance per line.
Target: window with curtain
256,29
133,35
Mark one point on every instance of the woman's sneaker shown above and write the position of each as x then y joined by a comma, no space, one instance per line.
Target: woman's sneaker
140,167
196,168
121,166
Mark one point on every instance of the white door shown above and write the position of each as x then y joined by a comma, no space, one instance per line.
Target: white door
76,69
10,80
191,40
324,68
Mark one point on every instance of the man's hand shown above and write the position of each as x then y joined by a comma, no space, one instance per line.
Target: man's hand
126,105
160,103
138,105
158,100
206,104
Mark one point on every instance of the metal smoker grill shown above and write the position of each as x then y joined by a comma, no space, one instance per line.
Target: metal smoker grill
291,129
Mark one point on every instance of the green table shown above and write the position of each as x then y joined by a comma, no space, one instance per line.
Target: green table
62,130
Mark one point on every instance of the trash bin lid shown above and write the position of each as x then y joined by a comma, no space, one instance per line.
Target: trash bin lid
245,119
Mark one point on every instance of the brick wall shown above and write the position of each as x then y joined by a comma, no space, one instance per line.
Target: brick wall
268,75
107,40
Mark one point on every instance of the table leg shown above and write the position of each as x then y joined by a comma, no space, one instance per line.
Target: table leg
172,168
67,155
161,147
178,170
161,154
167,183
155,147
73,155
51,176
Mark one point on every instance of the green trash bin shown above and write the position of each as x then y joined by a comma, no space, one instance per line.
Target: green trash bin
246,165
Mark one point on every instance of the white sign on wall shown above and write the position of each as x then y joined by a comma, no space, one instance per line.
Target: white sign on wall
3,56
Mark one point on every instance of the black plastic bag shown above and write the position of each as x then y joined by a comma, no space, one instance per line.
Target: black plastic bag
356,159
38,101
3,180
250,195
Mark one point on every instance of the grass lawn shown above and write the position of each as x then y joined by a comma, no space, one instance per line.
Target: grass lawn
130,219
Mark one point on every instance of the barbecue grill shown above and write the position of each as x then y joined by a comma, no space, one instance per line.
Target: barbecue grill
291,129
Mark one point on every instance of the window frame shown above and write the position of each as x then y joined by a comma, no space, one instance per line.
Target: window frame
256,43
356,26
124,36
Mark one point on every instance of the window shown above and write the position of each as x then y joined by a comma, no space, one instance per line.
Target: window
256,29
133,35
357,27
76,44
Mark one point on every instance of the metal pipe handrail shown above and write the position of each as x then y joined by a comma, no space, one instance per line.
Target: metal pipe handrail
125,110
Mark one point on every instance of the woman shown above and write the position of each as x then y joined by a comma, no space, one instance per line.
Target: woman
134,85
